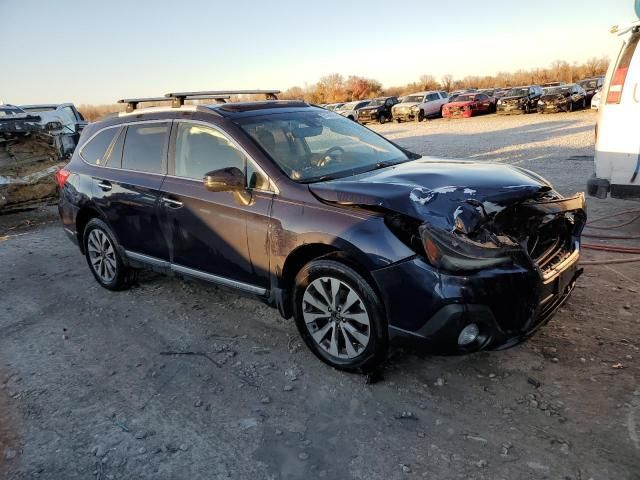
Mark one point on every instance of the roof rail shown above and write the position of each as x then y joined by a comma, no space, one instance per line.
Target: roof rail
178,98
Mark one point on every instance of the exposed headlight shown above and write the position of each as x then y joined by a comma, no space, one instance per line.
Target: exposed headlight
414,107
499,102
455,253
540,102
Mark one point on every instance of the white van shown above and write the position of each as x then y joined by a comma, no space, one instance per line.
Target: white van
617,156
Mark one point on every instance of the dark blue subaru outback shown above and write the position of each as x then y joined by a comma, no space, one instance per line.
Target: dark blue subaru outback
355,237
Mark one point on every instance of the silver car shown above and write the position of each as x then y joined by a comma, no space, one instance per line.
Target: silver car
350,110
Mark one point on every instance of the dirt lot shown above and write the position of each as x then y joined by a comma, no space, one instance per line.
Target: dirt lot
89,387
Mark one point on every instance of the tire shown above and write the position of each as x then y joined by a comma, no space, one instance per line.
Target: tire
584,103
397,120
570,106
338,339
420,116
382,119
104,258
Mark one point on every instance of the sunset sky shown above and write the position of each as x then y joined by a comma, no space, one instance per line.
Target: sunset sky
97,52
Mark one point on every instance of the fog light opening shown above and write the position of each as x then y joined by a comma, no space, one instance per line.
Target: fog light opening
468,335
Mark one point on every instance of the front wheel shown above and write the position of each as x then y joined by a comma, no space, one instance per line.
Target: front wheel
339,316
420,116
584,103
104,258
382,119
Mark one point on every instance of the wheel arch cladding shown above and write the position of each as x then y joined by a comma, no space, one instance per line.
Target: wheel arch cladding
83,217
313,251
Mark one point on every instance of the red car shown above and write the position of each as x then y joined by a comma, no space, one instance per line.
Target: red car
468,105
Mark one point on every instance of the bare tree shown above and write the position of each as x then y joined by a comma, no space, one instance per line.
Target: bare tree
447,82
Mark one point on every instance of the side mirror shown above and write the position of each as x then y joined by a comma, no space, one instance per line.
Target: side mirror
229,179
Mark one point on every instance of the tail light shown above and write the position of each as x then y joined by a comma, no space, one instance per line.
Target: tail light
614,95
61,176
617,82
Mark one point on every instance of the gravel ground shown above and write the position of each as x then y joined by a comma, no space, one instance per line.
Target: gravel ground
176,379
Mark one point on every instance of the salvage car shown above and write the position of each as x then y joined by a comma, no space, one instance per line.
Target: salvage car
420,106
351,109
469,104
71,118
519,100
378,110
564,98
356,238
591,86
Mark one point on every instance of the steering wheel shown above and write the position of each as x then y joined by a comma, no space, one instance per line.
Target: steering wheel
326,156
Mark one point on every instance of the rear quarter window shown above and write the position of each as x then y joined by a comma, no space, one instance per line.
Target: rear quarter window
144,147
94,150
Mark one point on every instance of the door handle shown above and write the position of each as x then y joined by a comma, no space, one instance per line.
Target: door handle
169,202
105,186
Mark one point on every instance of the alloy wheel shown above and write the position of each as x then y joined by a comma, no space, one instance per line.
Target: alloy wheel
336,317
102,255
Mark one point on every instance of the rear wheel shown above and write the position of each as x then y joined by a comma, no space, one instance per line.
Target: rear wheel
339,316
103,257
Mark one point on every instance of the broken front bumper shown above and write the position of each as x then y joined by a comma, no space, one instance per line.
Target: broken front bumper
507,303
509,109
553,108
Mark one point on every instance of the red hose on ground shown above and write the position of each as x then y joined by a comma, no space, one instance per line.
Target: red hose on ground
612,248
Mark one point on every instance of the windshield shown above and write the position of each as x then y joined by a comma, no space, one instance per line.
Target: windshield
465,98
319,145
589,84
38,109
517,92
350,106
556,90
413,99
376,102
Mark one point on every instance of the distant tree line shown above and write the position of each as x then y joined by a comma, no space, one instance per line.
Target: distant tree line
336,88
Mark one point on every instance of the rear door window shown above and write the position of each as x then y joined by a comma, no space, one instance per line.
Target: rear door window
94,151
144,147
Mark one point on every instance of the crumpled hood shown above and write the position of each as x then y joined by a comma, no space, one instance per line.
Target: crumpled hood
435,190
405,105
460,104
554,97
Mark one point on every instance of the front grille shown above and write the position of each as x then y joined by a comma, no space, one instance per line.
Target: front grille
551,244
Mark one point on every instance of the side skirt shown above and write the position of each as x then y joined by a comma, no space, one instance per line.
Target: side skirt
208,277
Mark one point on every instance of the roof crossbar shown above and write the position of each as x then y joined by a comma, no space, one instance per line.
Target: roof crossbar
132,103
178,98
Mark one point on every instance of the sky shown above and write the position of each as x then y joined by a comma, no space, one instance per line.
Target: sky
99,51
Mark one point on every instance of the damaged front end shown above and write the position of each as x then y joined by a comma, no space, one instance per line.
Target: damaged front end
498,260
